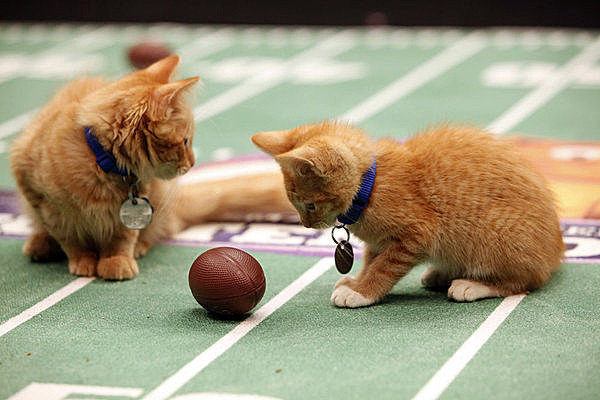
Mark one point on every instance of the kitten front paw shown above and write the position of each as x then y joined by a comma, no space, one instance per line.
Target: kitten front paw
42,247
343,296
117,268
83,264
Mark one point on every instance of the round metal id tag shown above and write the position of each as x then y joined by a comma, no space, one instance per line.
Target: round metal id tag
136,213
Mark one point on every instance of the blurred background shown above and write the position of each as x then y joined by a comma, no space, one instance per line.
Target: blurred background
575,13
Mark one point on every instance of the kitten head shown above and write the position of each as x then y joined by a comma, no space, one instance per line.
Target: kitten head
322,166
144,120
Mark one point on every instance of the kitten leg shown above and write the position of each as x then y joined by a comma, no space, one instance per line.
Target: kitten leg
81,262
434,278
375,279
116,260
40,246
141,248
468,290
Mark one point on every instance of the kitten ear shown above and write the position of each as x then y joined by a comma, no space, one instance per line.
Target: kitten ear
299,162
274,142
163,95
162,70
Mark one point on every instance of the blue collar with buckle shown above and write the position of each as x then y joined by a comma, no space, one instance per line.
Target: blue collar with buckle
104,159
361,199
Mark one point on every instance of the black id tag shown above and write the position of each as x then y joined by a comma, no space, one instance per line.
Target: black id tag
344,257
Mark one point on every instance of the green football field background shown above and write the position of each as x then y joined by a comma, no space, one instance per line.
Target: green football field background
122,340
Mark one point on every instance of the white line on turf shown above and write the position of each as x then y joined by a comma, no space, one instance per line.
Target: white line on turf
434,67
204,46
191,369
17,123
271,77
44,304
450,370
542,94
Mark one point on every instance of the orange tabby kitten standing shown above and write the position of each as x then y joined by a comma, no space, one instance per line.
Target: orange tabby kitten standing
454,196
145,126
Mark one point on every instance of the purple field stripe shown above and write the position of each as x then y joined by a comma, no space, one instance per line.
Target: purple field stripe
579,221
290,250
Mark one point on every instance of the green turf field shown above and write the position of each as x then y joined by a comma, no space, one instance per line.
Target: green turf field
63,337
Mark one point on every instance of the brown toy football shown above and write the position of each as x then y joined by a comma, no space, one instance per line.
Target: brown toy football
227,281
144,54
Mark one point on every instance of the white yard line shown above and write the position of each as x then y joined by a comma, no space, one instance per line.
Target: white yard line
191,369
271,77
442,62
202,47
87,42
17,123
510,118
543,93
44,304
205,45
450,370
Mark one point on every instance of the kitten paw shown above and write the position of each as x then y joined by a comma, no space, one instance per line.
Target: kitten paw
117,268
42,247
467,290
434,278
83,265
343,296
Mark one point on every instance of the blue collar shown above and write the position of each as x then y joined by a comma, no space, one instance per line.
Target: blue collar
104,159
361,199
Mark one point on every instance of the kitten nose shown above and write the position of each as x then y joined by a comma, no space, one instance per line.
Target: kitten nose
191,159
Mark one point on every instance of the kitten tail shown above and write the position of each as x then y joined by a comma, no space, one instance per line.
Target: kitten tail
234,199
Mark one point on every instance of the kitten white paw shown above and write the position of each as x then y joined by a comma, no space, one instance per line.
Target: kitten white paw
343,296
466,290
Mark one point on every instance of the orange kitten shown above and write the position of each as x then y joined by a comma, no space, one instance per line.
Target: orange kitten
453,196
143,125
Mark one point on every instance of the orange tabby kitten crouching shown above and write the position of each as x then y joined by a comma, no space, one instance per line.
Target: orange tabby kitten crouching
146,127
453,196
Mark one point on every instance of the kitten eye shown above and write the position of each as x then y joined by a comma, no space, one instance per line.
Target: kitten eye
185,142
311,206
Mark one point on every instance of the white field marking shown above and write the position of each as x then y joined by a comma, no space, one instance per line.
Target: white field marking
442,62
57,391
557,82
44,304
17,123
87,42
202,47
206,44
191,369
450,370
271,77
